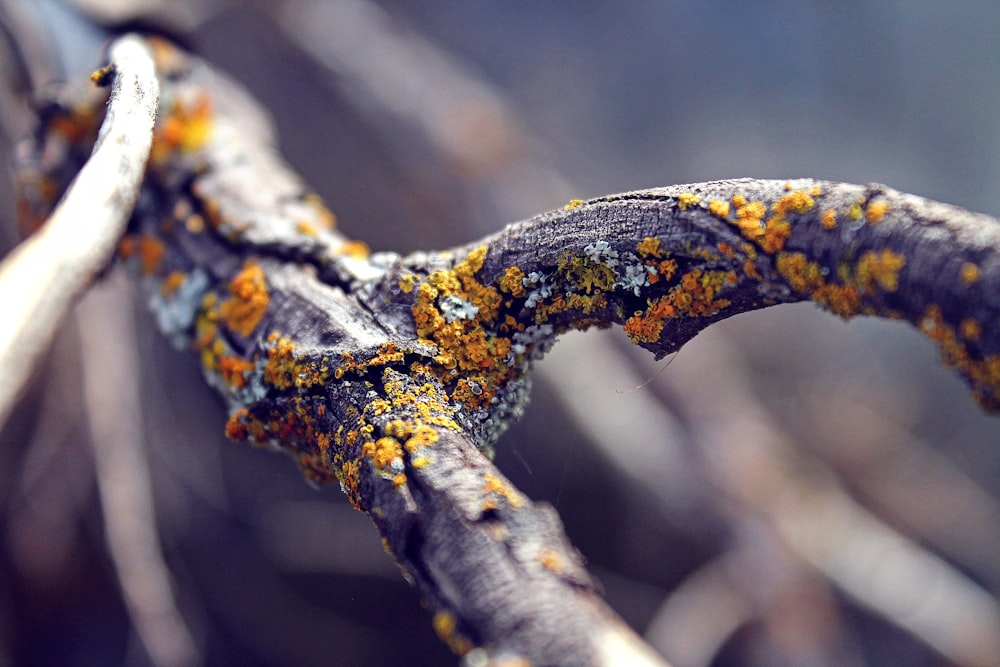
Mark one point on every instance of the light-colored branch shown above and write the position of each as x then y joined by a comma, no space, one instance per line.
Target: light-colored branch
43,277
111,390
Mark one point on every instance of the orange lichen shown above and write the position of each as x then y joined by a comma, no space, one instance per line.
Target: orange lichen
495,485
749,219
234,371
236,428
841,300
696,295
970,329
829,219
643,329
983,373
512,281
186,126
551,560
355,249
324,216
801,274
970,273
776,232
794,202
445,626
284,369
807,277
462,338
382,451
248,300
280,368
306,228
194,223
879,268
147,248
876,211
420,435
686,200
172,283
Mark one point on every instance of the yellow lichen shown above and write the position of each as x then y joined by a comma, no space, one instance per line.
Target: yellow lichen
407,283
749,219
686,200
573,203
719,209
649,247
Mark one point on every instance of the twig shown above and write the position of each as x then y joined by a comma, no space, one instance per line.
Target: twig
43,277
111,368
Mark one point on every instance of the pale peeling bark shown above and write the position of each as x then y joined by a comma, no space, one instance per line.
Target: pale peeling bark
394,375
43,277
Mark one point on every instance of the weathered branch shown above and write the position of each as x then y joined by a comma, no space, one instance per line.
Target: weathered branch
393,375
43,277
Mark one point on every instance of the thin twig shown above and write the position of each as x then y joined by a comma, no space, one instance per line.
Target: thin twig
111,389
43,277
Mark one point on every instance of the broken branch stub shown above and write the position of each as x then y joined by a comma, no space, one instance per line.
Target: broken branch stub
394,375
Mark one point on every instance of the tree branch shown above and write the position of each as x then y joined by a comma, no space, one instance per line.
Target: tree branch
43,277
393,375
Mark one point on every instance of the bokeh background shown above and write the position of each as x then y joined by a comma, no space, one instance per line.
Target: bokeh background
789,489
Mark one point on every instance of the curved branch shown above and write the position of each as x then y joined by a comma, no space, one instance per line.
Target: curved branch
393,375
43,277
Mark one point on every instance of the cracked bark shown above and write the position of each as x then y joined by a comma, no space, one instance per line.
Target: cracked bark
395,374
